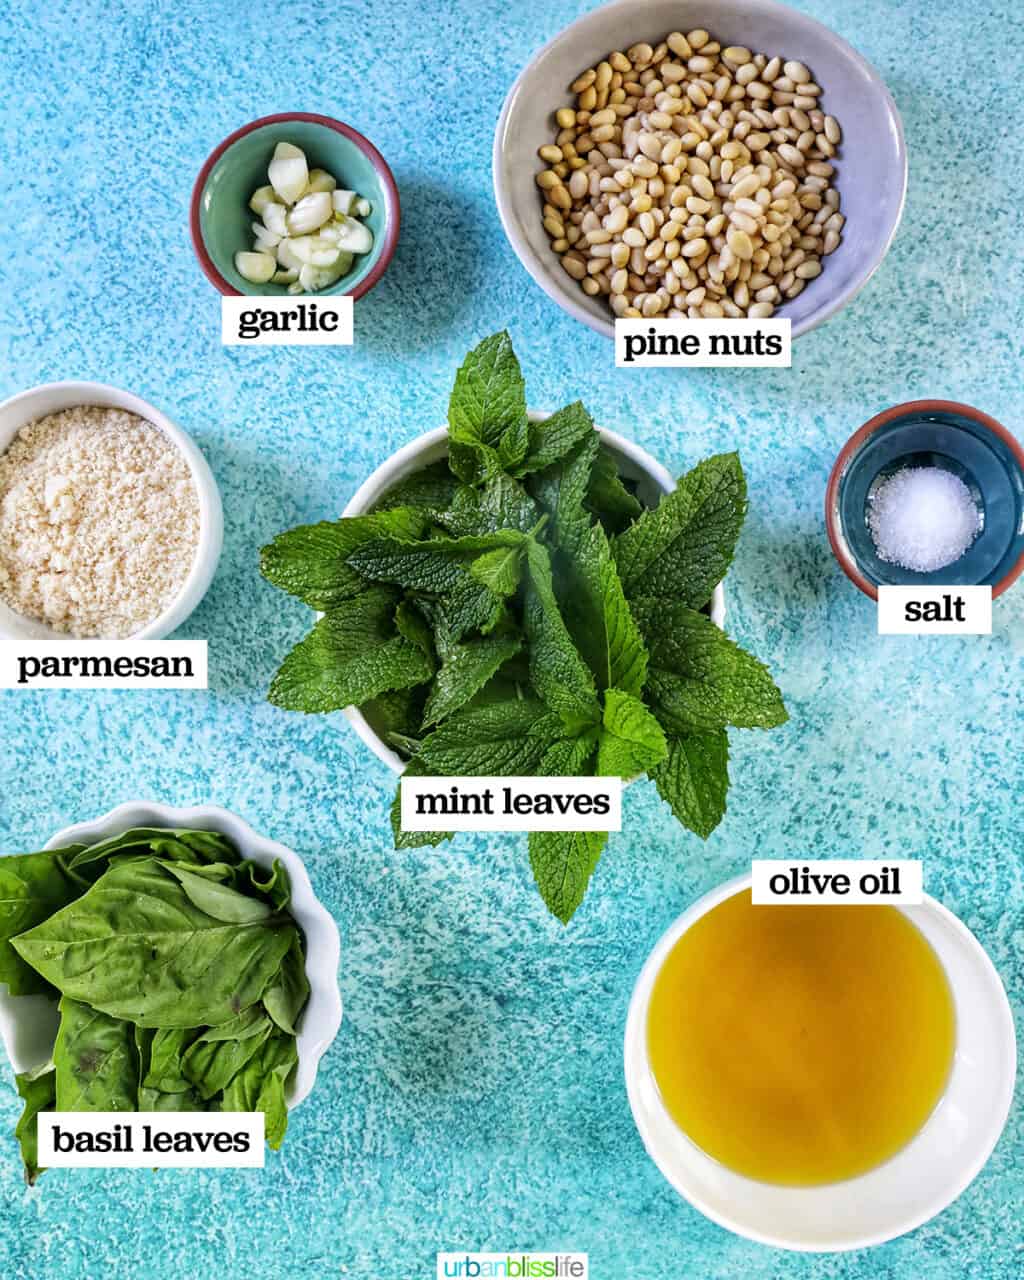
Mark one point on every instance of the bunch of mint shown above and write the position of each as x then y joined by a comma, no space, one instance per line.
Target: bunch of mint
515,610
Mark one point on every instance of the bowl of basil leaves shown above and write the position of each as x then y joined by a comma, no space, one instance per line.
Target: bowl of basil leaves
529,594
164,959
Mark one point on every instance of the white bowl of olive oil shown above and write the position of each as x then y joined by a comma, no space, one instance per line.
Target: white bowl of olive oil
819,1078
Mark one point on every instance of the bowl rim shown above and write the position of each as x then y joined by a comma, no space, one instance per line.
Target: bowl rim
634,1028
211,510
833,524
544,276
381,478
322,975
392,223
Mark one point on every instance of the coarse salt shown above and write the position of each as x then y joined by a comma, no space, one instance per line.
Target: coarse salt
99,522
922,518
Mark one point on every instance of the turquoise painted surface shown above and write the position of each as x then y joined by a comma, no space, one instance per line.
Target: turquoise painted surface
474,1098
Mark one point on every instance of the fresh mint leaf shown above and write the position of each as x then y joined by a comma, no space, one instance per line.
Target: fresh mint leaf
681,550
351,655
506,738
311,562
694,779
430,489
698,678
499,570
561,490
632,741
413,839
558,673
569,757
465,670
434,565
562,863
501,504
487,422
607,497
599,618
399,711
552,439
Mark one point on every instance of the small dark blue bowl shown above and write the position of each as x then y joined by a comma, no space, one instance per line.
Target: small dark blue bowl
931,433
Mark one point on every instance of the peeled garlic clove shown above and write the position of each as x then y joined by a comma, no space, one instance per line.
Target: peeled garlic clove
287,257
257,268
274,219
353,236
309,214
299,250
284,277
295,287
320,180
288,172
260,200
265,237
363,207
313,278
343,201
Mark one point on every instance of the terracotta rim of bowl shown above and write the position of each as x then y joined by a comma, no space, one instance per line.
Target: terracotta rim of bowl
832,523
391,228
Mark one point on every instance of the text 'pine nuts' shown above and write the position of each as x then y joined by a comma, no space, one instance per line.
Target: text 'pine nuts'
692,180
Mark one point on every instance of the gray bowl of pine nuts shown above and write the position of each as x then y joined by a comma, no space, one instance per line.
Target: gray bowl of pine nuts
669,158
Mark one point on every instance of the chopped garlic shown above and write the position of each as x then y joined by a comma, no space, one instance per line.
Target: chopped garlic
309,228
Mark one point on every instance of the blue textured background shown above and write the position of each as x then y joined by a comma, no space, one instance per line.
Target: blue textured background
474,1098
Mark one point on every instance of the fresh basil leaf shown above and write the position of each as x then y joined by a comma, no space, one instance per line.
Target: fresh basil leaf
219,901
698,678
694,779
599,618
39,1091
559,674
466,669
286,996
95,1062
352,654
135,947
164,1052
32,887
487,409
562,863
508,738
271,883
177,844
552,439
561,490
213,1060
632,741
430,489
260,1086
681,550
312,561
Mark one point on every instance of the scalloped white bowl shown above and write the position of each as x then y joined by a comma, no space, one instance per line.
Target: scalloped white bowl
28,1024
653,481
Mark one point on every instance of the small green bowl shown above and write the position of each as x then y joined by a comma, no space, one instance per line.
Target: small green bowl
221,218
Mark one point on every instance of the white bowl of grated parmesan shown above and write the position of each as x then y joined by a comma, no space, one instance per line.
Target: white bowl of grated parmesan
110,519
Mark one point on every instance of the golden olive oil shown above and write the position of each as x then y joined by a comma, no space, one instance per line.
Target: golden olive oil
801,1044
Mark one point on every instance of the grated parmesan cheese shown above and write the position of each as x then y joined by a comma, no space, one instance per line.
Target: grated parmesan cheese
99,522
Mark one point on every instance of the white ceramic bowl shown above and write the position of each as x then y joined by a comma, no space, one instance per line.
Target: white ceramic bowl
871,174
51,397
901,1194
651,478
28,1024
